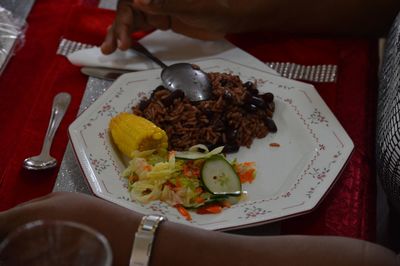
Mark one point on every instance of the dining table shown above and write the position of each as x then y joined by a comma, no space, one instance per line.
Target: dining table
35,73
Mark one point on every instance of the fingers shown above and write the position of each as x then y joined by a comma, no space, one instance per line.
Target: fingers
128,20
109,44
118,33
136,15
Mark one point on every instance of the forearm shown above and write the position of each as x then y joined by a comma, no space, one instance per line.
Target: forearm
181,245
177,244
333,17
118,224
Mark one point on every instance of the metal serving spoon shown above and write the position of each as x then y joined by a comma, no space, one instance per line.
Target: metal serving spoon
194,82
44,160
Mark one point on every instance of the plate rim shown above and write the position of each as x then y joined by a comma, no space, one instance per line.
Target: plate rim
314,203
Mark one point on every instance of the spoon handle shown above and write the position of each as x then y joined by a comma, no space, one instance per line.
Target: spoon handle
60,105
143,50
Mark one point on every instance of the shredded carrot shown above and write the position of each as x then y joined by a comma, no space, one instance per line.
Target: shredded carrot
196,171
190,170
147,167
183,212
249,164
274,144
186,171
209,209
199,199
247,176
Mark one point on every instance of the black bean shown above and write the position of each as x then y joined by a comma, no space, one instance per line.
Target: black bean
209,113
231,133
211,146
254,91
257,101
169,100
178,94
267,97
246,97
251,87
159,88
250,107
218,125
203,150
225,119
270,124
143,104
230,148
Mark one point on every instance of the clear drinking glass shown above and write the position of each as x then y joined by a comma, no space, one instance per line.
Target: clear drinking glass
55,243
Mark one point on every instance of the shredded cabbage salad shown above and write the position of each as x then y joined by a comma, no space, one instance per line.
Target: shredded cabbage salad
176,181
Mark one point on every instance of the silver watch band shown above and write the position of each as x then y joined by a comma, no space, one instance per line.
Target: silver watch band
144,238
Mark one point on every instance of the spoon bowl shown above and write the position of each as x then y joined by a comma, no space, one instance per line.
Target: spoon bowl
44,160
189,79
186,77
38,162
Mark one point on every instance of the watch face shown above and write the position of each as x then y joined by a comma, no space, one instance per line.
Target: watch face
151,222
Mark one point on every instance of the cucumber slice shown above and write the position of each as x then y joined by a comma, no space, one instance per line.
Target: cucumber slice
194,154
219,177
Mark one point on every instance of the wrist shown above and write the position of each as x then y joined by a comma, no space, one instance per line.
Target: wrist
144,239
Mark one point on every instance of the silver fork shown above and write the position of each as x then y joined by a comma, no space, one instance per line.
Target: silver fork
312,73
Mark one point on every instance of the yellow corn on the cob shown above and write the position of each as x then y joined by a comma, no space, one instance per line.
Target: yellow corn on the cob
131,132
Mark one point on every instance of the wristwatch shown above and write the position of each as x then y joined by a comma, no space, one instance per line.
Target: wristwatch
144,239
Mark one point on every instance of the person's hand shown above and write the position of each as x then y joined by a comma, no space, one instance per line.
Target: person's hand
128,20
210,20
206,20
111,220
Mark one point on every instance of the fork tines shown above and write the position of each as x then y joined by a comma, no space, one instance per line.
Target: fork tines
67,46
313,73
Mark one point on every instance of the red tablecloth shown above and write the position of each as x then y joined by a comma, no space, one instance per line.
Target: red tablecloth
35,74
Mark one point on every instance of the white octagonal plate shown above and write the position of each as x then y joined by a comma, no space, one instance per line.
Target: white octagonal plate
291,179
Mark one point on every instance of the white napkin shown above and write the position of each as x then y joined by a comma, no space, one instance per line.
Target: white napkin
170,48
